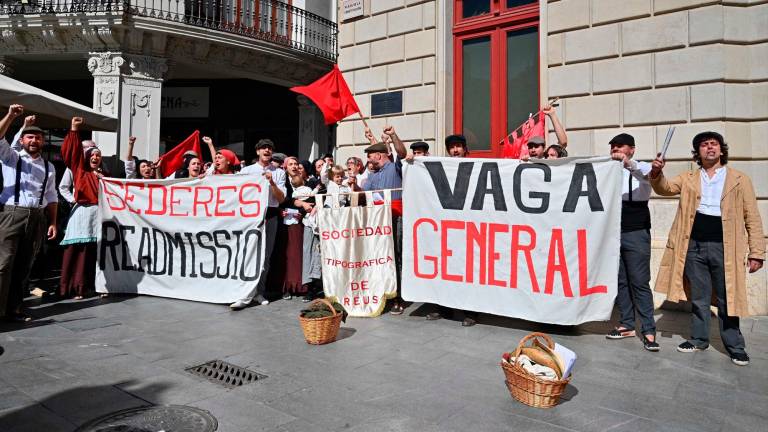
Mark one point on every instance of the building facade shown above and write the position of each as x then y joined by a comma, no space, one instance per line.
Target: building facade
479,67
167,68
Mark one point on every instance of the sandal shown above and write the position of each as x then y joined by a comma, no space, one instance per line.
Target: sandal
397,309
618,333
650,345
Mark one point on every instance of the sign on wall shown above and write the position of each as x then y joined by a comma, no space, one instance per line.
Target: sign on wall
352,9
185,102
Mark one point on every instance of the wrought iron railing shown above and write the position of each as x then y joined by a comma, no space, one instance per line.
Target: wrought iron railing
268,20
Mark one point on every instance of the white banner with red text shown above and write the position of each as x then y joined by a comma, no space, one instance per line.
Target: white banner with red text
192,239
358,257
537,241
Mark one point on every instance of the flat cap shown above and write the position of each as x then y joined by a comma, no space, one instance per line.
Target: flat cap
279,157
377,148
623,139
265,142
450,139
420,145
33,130
537,140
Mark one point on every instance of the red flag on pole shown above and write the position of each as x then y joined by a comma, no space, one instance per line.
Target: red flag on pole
518,147
331,94
173,159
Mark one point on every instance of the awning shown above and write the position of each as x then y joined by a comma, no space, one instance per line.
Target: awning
52,111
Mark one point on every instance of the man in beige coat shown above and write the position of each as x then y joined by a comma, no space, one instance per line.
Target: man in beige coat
717,232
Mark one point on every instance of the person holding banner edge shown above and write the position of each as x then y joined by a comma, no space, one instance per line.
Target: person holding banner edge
389,175
276,178
717,232
634,290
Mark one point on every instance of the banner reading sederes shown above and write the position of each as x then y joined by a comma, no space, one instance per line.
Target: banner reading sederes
538,241
190,239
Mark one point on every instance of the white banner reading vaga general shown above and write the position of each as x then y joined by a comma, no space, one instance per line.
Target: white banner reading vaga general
190,239
538,241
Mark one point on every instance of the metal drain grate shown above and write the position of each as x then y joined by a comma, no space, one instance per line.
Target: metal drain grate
226,374
171,418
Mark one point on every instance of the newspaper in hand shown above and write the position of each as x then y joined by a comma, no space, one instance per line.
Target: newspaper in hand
667,140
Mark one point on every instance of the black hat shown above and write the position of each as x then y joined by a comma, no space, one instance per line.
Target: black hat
623,139
33,130
265,142
450,139
420,145
377,148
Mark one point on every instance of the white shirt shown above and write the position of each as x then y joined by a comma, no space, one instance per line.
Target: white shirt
65,186
711,192
638,176
32,176
278,176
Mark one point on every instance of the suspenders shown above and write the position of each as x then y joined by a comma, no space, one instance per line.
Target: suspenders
17,186
630,186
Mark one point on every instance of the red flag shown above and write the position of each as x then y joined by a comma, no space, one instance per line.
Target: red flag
331,94
173,159
518,147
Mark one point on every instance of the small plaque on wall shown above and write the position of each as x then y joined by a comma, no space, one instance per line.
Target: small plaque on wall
352,9
387,103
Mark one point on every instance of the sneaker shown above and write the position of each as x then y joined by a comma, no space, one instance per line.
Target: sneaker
740,359
287,296
468,322
433,316
240,304
687,347
261,300
307,298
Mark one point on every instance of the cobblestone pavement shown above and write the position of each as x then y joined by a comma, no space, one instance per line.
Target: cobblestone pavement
80,360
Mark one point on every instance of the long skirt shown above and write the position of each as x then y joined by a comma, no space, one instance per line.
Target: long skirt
78,269
293,259
311,264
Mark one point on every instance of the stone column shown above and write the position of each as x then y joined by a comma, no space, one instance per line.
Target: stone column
313,133
128,87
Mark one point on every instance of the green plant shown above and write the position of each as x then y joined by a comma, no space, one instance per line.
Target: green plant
321,310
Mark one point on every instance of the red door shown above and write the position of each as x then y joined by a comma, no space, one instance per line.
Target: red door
496,70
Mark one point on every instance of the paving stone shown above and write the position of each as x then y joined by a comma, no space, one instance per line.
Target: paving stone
33,418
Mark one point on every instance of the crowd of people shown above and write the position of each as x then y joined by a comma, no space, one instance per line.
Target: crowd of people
717,226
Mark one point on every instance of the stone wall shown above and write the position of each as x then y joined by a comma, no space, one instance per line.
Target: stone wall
641,65
393,47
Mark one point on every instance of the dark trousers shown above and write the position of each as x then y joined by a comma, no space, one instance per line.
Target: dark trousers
270,233
705,271
21,234
634,290
397,234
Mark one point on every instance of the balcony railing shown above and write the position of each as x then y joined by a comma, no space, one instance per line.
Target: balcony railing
268,20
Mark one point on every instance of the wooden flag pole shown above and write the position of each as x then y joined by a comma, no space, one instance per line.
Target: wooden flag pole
365,123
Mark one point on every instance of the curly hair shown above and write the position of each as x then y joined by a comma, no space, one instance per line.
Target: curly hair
561,151
704,136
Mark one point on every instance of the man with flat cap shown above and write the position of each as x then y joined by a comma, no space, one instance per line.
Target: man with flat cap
389,175
537,145
420,148
634,290
28,204
276,178
456,146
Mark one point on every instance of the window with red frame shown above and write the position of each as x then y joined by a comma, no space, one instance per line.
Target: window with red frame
496,69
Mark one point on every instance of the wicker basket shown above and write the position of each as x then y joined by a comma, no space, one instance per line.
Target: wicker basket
319,331
529,389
